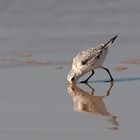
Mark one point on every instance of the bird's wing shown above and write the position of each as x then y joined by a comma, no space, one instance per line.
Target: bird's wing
105,45
89,56
86,56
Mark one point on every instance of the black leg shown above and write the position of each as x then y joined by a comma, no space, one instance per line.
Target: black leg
90,88
85,81
111,78
108,92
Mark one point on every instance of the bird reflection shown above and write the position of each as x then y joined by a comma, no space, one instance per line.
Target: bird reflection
89,103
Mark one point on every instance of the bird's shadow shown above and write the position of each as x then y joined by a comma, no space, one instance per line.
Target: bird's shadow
117,80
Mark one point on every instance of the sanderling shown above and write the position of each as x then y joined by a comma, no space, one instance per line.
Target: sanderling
88,60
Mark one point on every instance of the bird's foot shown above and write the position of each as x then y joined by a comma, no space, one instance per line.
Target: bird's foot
109,80
85,81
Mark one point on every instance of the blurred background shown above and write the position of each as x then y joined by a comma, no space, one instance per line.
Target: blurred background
62,26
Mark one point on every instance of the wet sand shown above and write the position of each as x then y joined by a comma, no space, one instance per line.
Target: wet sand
38,40
132,61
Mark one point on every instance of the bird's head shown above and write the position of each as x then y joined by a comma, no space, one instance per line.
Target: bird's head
73,76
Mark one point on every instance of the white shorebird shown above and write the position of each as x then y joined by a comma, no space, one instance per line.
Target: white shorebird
88,60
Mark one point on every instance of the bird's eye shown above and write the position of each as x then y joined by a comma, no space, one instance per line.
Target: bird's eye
83,62
72,79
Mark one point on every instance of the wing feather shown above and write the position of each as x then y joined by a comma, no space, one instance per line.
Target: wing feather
90,55
86,56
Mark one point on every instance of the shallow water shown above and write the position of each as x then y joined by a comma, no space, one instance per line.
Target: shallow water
34,100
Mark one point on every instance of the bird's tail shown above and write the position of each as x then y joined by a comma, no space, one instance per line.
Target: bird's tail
107,44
